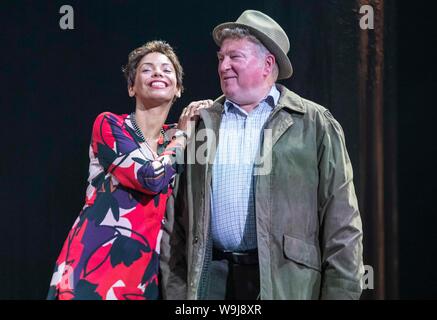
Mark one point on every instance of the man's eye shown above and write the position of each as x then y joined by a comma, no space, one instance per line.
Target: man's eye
168,70
147,70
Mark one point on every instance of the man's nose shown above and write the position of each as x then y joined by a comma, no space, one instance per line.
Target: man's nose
224,64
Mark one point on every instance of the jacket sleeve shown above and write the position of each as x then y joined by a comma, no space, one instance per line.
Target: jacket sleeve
341,228
120,155
173,256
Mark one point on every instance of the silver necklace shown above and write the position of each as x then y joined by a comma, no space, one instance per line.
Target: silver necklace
138,130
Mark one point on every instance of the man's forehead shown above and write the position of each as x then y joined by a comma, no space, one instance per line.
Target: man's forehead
236,44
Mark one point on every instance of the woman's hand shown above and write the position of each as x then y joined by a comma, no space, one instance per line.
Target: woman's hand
190,115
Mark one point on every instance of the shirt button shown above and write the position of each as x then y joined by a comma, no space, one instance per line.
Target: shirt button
195,240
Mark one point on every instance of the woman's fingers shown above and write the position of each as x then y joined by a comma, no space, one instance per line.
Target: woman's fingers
202,104
192,111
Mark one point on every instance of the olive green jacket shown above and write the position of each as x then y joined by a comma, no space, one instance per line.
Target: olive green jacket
309,228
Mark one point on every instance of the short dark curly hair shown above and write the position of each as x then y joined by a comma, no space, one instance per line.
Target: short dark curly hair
134,58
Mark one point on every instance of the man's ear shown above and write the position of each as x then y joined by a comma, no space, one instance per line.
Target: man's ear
178,93
269,63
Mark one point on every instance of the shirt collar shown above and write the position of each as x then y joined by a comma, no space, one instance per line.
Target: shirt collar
271,99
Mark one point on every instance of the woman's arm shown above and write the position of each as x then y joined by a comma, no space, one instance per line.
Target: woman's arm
120,155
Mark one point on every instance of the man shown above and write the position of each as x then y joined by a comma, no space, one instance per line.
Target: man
272,213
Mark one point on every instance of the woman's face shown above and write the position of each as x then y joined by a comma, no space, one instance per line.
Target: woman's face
155,80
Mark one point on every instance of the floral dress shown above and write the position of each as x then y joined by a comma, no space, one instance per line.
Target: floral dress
112,250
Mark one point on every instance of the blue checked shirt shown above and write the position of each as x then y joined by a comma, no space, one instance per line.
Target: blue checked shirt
233,222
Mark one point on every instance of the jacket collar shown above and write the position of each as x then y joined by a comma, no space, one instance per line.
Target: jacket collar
290,100
271,98
279,121
212,117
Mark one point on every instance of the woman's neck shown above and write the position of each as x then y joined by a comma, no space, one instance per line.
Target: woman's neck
151,119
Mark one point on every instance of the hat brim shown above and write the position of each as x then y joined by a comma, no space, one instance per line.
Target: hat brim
284,64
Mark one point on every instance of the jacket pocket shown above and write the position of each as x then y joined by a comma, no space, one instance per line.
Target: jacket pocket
302,252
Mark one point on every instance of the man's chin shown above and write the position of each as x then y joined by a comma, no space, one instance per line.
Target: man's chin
229,93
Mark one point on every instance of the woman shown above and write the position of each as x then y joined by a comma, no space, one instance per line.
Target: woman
112,250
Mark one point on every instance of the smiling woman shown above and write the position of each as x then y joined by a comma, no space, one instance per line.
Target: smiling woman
112,250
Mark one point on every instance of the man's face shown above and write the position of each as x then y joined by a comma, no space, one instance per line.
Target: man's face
241,68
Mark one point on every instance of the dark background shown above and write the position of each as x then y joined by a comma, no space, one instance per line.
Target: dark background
417,88
55,82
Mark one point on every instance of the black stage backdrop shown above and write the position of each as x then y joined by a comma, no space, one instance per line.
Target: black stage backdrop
378,83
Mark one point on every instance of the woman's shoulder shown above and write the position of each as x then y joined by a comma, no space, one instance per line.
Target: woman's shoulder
111,117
